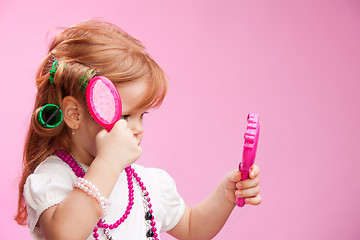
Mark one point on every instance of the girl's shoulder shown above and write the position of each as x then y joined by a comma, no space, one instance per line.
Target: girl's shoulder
50,183
50,161
55,166
149,171
157,176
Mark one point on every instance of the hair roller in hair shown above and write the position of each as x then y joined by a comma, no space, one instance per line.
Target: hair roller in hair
103,101
52,71
251,138
50,116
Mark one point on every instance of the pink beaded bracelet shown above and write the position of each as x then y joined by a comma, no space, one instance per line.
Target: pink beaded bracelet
89,188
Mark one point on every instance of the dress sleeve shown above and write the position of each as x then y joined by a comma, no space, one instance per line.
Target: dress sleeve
47,186
170,200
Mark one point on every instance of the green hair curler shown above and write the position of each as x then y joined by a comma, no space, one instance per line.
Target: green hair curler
50,116
53,71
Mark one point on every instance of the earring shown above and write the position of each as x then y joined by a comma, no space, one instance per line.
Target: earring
73,131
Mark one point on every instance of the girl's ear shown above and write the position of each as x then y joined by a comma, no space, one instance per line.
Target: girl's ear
72,112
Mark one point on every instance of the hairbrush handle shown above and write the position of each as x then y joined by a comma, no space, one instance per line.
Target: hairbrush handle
251,138
240,202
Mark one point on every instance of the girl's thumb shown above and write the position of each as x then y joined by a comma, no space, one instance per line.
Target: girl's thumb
101,134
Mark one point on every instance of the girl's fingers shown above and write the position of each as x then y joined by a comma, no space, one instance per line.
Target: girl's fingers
121,123
254,172
233,176
251,192
248,183
101,134
253,200
231,179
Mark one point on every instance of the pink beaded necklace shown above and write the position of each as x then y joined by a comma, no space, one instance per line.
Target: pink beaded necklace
131,177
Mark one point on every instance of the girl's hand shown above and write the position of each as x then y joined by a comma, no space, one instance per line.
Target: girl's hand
248,189
119,147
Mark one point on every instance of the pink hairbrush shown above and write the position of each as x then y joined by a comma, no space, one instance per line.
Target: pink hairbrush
103,101
250,145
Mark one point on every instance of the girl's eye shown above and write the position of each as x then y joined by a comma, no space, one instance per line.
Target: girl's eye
142,115
125,117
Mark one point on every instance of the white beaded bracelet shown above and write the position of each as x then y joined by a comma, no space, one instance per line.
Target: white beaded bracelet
89,188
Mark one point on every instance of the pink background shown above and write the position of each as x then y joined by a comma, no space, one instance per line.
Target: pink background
296,63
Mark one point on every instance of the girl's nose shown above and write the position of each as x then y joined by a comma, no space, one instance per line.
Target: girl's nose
136,127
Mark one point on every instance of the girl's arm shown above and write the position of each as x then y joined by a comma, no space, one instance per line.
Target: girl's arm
207,218
76,216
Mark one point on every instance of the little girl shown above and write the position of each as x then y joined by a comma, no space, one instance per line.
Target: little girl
74,169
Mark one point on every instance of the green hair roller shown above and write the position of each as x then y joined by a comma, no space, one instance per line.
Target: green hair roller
50,116
83,80
53,70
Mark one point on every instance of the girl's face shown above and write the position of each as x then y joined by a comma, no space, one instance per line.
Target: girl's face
131,94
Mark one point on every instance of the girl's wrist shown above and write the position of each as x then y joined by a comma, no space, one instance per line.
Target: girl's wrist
106,164
103,175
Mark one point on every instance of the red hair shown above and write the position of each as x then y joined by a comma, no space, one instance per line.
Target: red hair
88,45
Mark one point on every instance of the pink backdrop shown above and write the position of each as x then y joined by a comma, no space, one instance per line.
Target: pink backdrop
296,63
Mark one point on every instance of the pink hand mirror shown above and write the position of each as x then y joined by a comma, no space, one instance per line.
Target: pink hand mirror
103,101
250,145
